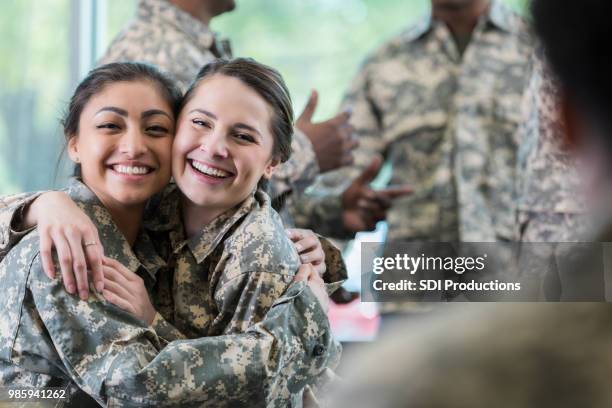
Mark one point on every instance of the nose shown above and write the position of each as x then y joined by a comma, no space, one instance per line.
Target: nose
215,144
133,143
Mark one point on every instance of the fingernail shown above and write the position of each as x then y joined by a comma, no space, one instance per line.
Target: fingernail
83,294
304,258
71,289
298,247
100,286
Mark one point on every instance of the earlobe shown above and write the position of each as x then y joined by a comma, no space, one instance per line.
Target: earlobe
73,151
271,168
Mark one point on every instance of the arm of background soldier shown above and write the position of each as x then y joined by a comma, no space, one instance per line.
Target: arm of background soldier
321,207
121,363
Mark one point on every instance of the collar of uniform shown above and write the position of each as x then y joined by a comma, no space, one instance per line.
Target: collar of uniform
204,243
109,232
149,10
420,28
498,14
163,210
501,16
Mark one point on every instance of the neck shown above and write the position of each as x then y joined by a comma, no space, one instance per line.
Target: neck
461,19
194,10
128,220
195,217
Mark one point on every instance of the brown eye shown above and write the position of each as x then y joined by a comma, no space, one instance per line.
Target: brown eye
245,137
157,129
107,126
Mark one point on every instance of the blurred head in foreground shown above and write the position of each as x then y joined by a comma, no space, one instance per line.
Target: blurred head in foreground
575,40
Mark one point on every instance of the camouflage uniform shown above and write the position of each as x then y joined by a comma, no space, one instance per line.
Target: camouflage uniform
447,123
177,43
228,275
51,338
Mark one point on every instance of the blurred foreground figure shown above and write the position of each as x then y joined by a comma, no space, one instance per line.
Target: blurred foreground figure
552,203
519,355
483,356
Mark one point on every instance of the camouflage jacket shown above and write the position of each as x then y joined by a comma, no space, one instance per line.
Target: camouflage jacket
227,276
51,338
168,37
447,124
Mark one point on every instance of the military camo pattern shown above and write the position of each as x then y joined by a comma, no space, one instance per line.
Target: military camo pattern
551,205
48,337
166,36
447,123
11,217
228,275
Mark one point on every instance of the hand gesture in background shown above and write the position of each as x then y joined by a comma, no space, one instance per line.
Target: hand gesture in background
332,139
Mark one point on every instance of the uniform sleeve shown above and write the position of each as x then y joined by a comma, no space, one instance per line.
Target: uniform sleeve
335,269
320,207
115,359
320,210
164,330
11,219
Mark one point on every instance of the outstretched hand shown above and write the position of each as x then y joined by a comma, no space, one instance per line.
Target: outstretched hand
363,207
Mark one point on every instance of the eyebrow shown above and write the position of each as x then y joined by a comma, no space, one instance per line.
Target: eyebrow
152,112
205,112
118,111
123,112
239,125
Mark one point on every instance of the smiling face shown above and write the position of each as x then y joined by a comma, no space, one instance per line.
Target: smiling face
223,144
124,143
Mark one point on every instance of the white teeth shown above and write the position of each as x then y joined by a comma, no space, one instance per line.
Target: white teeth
209,170
131,169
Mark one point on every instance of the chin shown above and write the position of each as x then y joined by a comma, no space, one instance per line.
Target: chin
131,198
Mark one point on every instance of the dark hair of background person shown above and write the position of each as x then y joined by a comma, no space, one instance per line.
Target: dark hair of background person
99,78
268,84
576,40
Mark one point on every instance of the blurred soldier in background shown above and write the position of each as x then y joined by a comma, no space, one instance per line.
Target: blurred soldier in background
441,103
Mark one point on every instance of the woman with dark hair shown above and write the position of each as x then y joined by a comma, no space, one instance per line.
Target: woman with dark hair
273,339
